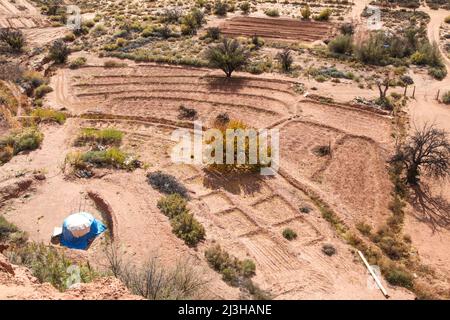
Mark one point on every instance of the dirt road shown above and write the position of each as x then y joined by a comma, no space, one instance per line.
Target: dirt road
425,109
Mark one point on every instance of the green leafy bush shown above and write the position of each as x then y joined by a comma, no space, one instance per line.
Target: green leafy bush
398,277
9,233
364,228
235,167
234,271
114,64
373,50
108,136
446,97
220,7
103,158
111,157
187,228
47,264
428,54
49,115
342,44
248,268
78,62
227,265
13,38
306,12
42,90
59,51
324,15
213,33
438,73
192,21
33,78
322,151
245,7
418,58
328,249
172,205
25,140
272,12
289,234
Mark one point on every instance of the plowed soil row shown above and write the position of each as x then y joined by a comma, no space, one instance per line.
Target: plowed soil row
19,14
160,91
282,29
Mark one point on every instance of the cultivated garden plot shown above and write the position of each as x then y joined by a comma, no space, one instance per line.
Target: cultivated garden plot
280,29
92,117
20,14
152,91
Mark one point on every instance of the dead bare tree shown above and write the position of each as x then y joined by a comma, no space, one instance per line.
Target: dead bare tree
427,151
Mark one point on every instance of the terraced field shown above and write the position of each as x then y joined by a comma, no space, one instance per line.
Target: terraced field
20,14
150,91
246,215
333,183
280,29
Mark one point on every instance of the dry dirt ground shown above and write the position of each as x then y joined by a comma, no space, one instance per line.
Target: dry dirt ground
17,283
20,14
430,240
246,215
277,28
23,15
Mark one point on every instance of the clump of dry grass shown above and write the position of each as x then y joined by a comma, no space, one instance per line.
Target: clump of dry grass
108,136
49,115
23,140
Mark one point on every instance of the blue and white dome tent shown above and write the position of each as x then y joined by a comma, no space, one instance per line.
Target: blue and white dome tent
79,229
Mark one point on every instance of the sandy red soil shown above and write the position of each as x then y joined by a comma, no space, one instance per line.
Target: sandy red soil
17,283
20,14
279,28
245,215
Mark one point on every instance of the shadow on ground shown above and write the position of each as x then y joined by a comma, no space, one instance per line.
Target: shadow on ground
238,184
431,209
